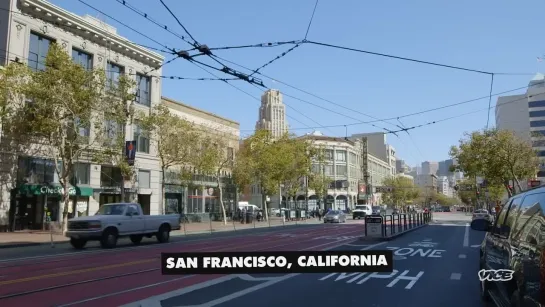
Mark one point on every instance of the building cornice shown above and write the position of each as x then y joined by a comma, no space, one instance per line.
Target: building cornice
169,102
78,25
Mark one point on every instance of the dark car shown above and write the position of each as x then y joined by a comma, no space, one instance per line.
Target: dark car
376,210
514,244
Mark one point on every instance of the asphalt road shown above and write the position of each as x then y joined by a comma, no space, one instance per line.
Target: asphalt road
434,266
440,268
124,275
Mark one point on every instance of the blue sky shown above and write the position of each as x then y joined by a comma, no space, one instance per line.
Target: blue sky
494,36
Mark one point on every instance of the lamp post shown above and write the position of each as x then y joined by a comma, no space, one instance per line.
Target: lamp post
366,177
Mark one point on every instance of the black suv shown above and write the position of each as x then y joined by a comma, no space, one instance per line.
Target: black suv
515,243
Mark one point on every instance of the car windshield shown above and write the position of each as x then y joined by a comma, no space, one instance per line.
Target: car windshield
481,211
376,208
333,212
111,210
361,207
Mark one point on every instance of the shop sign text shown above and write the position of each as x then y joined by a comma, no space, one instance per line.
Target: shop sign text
57,190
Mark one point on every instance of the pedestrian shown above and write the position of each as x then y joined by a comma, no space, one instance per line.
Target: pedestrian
319,214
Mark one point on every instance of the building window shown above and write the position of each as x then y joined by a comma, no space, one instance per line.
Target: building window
539,143
110,176
83,129
36,171
341,170
82,58
328,170
112,131
113,72
536,104
81,173
143,95
144,179
328,154
537,123
141,138
537,113
230,153
38,48
340,155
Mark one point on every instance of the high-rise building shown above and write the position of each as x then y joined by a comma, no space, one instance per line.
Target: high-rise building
525,115
272,114
430,168
444,167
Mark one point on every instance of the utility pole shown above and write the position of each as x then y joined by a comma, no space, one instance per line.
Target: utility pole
325,186
365,168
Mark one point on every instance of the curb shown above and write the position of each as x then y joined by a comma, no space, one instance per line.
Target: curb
389,238
180,234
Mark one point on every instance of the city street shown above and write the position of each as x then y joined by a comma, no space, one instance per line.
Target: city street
436,264
123,275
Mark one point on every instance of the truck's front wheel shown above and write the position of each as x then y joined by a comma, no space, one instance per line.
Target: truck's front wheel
136,239
78,243
163,235
109,239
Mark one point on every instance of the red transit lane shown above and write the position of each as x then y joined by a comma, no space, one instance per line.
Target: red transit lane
119,276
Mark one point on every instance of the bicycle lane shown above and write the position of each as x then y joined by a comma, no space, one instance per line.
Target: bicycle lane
428,271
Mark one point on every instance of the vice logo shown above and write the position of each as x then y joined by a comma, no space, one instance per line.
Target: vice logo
495,275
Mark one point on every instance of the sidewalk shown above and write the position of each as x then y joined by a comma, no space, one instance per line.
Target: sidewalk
34,238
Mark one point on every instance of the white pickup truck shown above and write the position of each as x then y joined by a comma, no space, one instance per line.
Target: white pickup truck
120,220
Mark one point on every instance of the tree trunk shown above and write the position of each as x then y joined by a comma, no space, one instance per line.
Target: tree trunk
66,202
220,192
517,183
264,202
163,191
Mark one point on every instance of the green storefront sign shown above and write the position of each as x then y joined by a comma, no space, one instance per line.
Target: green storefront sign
54,189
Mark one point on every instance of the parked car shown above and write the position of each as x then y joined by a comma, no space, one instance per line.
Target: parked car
361,211
514,243
335,216
116,220
376,210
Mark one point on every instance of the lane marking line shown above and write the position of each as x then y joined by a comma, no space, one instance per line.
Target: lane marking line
155,301
462,256
466,236
455,276
255,288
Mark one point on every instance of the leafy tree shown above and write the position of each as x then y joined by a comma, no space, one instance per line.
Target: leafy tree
318,181
213,159
295,156
12,89
175,139
258,163
402,190
63,114
497,155
121,113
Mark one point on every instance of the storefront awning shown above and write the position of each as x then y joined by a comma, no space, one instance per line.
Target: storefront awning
54,189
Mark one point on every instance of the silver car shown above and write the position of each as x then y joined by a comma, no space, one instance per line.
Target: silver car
335,216
481,214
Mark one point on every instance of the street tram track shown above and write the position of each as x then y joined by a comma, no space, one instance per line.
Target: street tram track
40,290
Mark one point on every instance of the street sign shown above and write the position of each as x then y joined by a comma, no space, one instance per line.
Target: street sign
373,226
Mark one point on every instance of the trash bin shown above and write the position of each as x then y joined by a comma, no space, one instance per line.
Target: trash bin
249,217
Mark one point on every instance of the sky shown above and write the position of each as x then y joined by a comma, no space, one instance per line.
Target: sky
498,36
